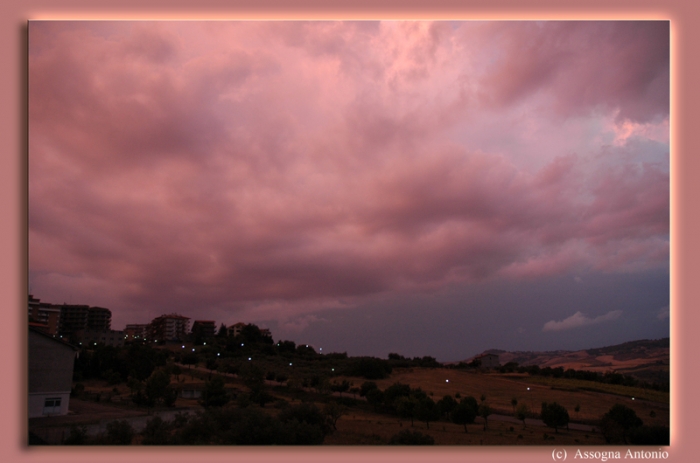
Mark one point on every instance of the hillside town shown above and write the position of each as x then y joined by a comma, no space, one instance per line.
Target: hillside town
58,334
86,325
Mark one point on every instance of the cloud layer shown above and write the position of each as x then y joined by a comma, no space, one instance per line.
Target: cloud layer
227,166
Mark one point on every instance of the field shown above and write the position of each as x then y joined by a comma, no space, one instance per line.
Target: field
361,424
501,389
365,428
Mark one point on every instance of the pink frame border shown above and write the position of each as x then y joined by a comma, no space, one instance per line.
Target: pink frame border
685,220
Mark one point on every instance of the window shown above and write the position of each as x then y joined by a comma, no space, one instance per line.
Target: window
52,406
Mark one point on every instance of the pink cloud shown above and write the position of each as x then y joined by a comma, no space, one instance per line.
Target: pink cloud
584,66
578,320
224,164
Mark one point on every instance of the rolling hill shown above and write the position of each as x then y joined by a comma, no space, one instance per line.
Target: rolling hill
647,360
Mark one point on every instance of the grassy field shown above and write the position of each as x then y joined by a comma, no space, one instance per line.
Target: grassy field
501,389
577,384
366,428
361,425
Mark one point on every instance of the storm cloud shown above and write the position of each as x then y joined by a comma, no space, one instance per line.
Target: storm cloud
288,167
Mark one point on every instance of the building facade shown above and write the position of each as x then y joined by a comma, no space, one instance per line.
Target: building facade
106,337
204,328
50,377
171,327
44,314
75,319
235,330
136,332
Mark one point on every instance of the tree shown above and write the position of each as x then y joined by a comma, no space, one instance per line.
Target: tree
306,413
521,413
141,360
371,368
286,346
617,423
427,411
394,392
485,412
375,397
464,413
472,402
342,387
554,415
366,387
190,359
251,334
333,411
135,386
222,331
212,364
253,377
406,407
446,405
157,387
214,394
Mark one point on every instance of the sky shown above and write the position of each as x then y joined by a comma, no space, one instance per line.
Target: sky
425,188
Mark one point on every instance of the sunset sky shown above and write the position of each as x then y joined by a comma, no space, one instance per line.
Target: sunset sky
425,188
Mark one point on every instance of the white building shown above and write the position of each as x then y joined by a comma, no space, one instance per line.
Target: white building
50,374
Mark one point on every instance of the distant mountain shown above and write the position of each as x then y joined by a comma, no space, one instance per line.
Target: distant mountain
647,360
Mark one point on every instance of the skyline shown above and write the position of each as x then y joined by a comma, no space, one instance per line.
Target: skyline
422,188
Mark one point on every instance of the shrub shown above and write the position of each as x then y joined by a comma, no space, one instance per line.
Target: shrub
77,436
156,432
214,394
119,433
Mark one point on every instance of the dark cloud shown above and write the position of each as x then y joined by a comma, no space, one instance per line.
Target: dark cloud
584,66
228,167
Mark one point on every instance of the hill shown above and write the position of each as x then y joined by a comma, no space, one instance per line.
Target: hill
647,360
